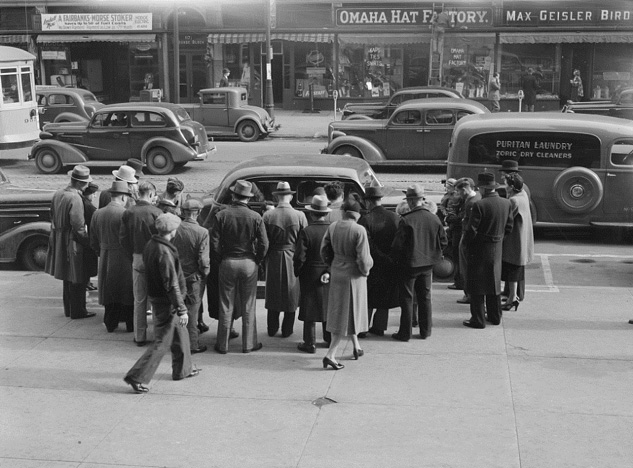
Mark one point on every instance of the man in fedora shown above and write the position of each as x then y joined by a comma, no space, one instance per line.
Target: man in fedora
490,220
313,274
382,287
116,292
126,174
192,244
68,237
417,247
466,188
283,225
137,228
137,165
239,243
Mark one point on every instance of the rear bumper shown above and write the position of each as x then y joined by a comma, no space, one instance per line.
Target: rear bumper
203,156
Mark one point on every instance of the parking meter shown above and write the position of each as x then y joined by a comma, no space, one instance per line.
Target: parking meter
521,96
335,96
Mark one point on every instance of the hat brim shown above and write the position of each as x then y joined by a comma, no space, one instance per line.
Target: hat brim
116,192
249,195
89,179
493,185
509,170
314,210
129,181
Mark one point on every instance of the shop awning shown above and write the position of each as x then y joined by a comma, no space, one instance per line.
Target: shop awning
384,39
243,38
566,37
14,39
65,38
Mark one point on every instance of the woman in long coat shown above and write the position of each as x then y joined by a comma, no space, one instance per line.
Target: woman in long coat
345,248
518,246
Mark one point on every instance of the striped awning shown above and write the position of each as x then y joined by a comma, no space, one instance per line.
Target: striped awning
122,38
14,39
566,37
243,38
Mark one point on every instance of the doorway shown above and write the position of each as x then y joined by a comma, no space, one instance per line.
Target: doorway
277,66
193,76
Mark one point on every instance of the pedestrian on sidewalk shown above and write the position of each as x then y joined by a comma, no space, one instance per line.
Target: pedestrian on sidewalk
166,288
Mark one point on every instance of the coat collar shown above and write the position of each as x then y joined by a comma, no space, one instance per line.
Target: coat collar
166,243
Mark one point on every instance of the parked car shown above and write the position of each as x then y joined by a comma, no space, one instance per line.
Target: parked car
383,110
620,106
579,168
24,224
162,135
417,133
226,112
65,104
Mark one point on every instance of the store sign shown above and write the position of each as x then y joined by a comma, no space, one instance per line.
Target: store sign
193,41
520,15
97,22
460,17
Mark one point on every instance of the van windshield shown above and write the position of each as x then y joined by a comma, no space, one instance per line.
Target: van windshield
545,149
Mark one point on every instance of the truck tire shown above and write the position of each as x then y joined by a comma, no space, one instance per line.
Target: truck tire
578,190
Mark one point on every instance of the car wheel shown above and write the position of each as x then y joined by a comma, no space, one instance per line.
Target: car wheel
33,253
159,161
350,151
248,131
578,190
48,161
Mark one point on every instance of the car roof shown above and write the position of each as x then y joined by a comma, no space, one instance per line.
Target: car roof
60,90
428,88
141,106
442,103
231,89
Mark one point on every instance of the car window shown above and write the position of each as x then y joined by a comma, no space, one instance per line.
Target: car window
407,117
99,120
622,153
89,97
439,117
306,188
396,100
214,98
244,98
115,119
544,149
147,119
60,100
626,98
462,113
181,114
41,100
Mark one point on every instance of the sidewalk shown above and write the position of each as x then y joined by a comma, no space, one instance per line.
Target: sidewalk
296,124
549,388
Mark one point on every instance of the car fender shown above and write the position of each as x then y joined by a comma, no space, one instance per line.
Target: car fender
69,117
371,153
254,119
179,152
11,240
67,153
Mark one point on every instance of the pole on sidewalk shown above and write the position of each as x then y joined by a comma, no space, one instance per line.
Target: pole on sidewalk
269,104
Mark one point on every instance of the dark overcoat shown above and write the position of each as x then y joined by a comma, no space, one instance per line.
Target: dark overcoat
309,266
91,259
64,259
490,220
283,225
115,263
382,285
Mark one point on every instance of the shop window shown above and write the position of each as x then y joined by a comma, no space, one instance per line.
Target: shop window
370,70
517,58
144,71
313,70
612,67
467,65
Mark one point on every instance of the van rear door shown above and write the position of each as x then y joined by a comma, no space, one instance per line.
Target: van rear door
618,190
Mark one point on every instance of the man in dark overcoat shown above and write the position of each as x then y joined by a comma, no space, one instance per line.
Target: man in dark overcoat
490,221
283,225
115,263
382,285
417,247
64,259
192,243
313,274
91,260
238,243
466,188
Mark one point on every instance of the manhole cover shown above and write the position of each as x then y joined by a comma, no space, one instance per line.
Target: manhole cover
584,260
323,401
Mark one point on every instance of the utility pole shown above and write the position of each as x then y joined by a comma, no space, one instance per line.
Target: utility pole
269,104
176,57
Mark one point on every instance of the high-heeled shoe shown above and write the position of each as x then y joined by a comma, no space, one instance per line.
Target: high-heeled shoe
332,364
510,305
358,353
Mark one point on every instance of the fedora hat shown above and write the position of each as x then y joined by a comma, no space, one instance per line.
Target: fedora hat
243,188
80,173
137,165
126,174
283,188
120,187
318,204
373,192
414,191
487,180
509,165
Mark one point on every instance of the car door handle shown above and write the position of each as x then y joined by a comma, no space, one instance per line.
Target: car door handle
423,130
125,133
609,174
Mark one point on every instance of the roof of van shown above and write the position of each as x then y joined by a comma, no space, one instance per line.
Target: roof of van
10,54
544,121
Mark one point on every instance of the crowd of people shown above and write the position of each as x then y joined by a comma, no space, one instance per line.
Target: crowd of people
343,263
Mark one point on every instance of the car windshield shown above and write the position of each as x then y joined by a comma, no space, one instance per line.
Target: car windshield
181,114
368,179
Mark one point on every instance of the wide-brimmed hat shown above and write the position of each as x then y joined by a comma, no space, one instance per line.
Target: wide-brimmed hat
137,165
487,180
243,188
414,191
283,188
120,187
191,204
509,165
126,174
318,204
80,173
373,192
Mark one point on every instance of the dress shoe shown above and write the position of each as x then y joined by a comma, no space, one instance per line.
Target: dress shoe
375,331
257,347
424,336
203,327
140,343
453,286
91,287
136,386
631,321
358,353
286,333
199,349
193,373
272,332
218,350
362,335
334,365
111,329
86,315
470,324
397,337
307,348
233,334
463,300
